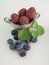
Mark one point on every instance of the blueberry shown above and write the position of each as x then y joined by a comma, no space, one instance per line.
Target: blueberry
19,47
30,40
12,47
10,41
27,41
16,37
18,44
26,47
22,53
34,40
14,32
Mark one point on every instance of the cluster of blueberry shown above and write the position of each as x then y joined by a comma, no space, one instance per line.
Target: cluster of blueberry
20,45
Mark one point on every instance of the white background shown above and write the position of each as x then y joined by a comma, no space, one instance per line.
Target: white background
39,53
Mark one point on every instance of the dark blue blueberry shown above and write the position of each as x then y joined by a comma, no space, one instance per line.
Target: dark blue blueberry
14,32
20,47
19,41
34,40
27,41
18,44
10,41
12,47
22,53
30,40
16,37
26,47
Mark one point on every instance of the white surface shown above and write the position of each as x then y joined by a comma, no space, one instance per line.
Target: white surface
39,53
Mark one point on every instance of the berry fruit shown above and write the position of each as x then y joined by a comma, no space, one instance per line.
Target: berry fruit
14,32
16,37
24,20
27,41
23,34
22,53
33,40
26,47
18,45
12,47
22,12
14,18
18,42
10,41
31,13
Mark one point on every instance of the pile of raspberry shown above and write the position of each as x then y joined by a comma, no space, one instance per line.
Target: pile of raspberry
24,16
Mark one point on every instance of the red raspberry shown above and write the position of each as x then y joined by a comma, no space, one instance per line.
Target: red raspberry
24,20
22,12
31,13
14,18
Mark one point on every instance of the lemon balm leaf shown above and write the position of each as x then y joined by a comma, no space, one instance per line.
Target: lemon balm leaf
37,31
24,34
34,23
34,33
40,30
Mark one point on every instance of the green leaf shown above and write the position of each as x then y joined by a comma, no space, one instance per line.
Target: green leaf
34,32
34,23
37,31
24,34
40,30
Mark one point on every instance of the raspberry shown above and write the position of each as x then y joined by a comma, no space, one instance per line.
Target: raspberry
14,18
31,13
22,12
24,20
